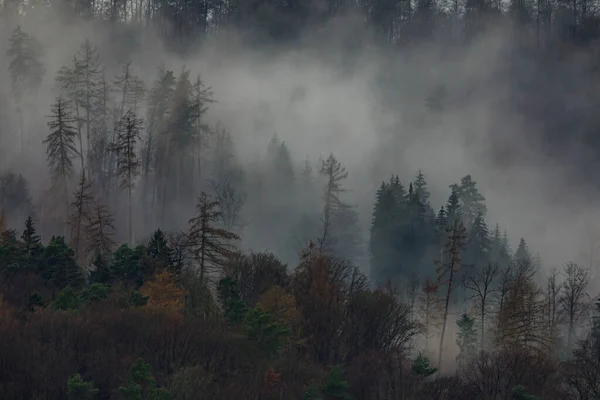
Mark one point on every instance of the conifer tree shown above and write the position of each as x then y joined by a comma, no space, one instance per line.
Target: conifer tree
60,148
211,245
99,231
522,254
472,203
453,209
26,70
478,249
466,339
15,199
381,247
431,309
29,236
420,187
89,77
446,271
128,164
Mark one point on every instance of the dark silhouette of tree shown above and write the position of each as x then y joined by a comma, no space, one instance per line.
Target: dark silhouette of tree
99,231
466,339
446,271
481,287
82,207
573,299
211,245
334,173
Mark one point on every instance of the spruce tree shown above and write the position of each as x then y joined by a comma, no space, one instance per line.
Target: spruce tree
334,173
89,76
453,209
466,339
522,254
128,164
472,203
478,249
420,187
30,238
381,247
211,245
60,149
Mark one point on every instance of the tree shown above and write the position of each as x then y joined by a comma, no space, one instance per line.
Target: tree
573,299
99,231
466,339
82,207
522,254
26,70
88,74
420,187
453,208
15,199
431,309
31,240
58,266
78,389
481,286
230,203
163,293
446,271
478,249
128,164
60,148
211,245
472,203
334,173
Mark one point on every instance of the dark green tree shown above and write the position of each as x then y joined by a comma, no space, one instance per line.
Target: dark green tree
472,203
522,254
78,389
58,266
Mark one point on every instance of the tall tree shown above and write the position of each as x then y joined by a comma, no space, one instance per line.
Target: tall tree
211,245
334,173
26,71
128,163
100,230
522,254
446,271
481,287
420,188
472,203
573,299
60,149
82,206
466,339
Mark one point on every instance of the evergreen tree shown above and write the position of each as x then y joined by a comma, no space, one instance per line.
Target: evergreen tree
127,160
420,187
441,221
522,254
381,246
210,245
334,173
29,237
478,249
60,149
453,209
15,199
466,339
158,250
88,73
472,203
78,389
26,67
58,266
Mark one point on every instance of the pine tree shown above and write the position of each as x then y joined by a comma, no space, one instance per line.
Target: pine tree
31,240
82,205
453,209
128,164
441,220
478,249
472,203
466,339
158,249
89,76
446,271
99,231
210,245
420,187
60,148
381,248
522,254
26,71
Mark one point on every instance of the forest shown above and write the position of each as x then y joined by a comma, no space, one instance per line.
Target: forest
164,238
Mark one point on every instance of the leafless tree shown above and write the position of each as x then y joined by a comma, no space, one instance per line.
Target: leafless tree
574,300
481,287
553,291
230,202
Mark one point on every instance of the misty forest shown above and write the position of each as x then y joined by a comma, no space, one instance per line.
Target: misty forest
299,199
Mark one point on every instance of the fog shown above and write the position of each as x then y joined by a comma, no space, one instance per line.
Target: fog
366,104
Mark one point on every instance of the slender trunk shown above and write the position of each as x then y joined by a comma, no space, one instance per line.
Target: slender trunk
445,319
66,194
129,206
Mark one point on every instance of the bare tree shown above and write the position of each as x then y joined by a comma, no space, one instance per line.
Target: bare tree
209,244
334,172
230,203
431,309
481,287
82,208
573,300
100,231
553,292
456,244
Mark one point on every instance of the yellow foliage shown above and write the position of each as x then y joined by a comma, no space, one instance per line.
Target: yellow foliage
163,293
281,304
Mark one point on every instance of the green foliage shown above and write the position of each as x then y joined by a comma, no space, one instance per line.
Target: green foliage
95,292
422,366
261,327
58,266
34,301
335,387
235,308
466,339
312,393
159,251
519,393
67,299
78,389
142,385
136,299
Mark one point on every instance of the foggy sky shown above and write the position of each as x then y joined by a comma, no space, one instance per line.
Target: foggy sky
367,106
